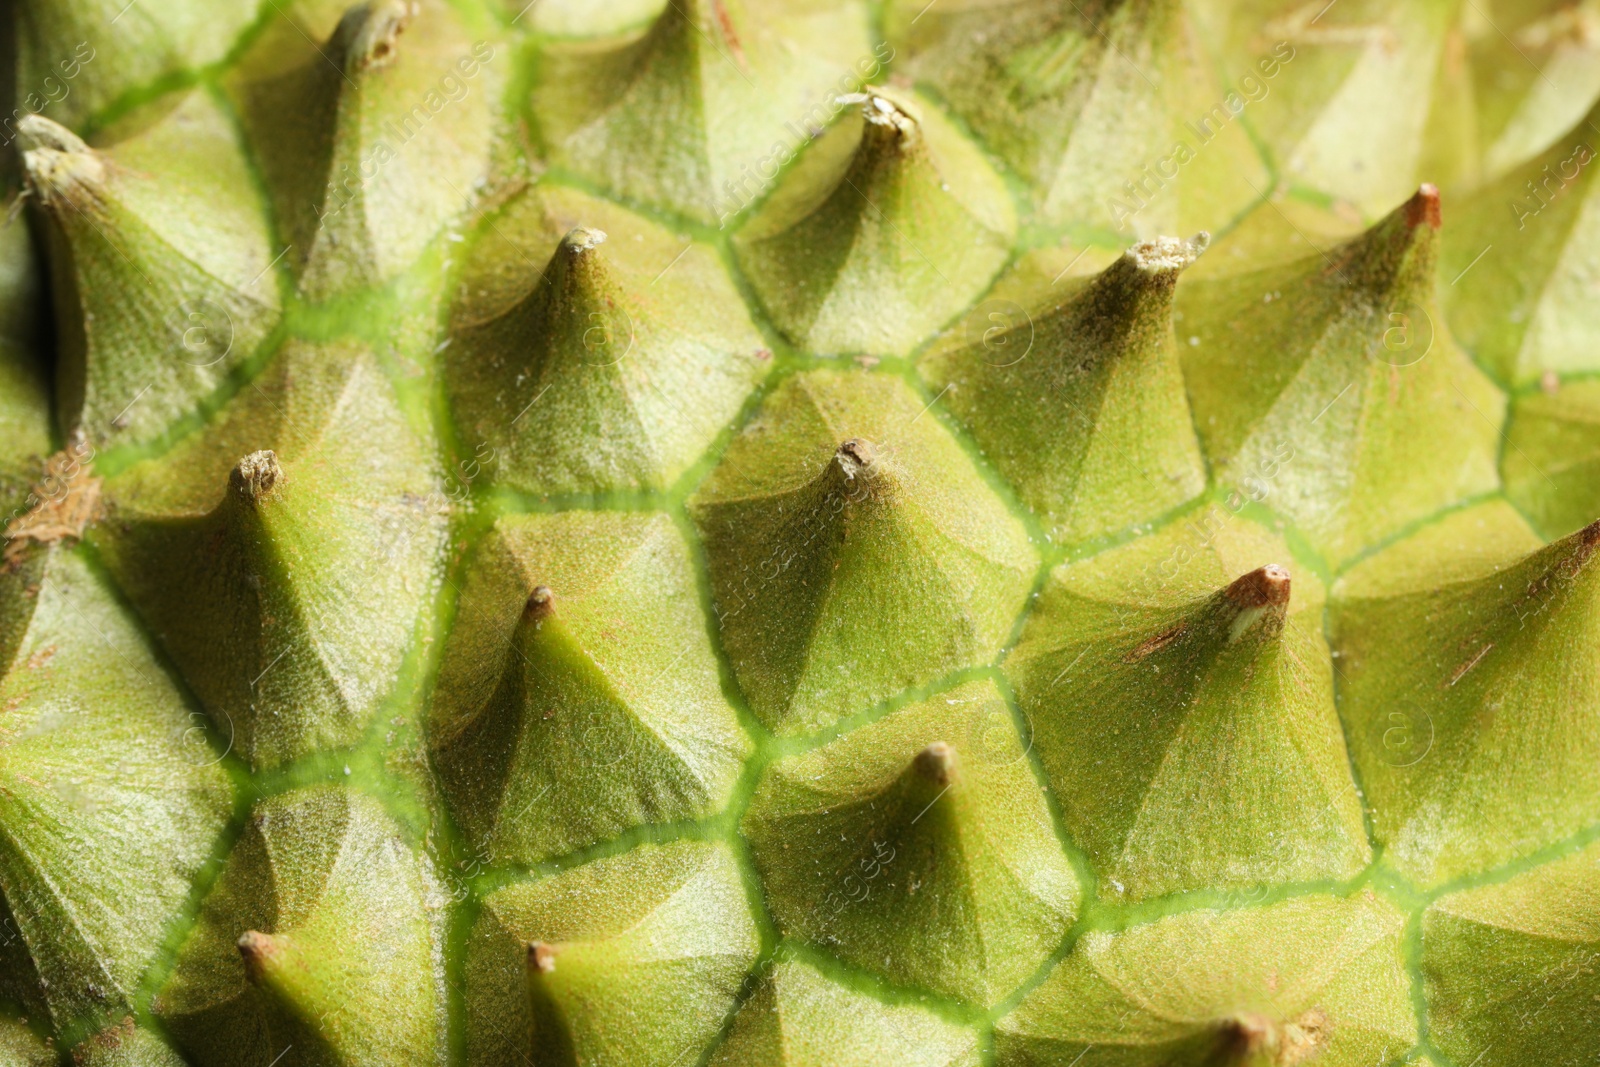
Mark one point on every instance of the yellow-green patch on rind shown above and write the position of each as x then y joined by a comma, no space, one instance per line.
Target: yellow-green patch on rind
1533,74
1510,969
1313,979
594,350
1486,671
579,695
854,551
634,960
918,846
888,226
797,1017
1551,462
1182,705
284,555
110,797
1370,99
1521,260
322,940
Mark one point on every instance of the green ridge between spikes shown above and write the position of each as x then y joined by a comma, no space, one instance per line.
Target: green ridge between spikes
407,798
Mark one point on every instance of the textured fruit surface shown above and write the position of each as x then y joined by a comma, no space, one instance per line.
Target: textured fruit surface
800,533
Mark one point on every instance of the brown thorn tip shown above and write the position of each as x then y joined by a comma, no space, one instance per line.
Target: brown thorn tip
55,159
1424,206
36,131
1167,255
1251,1033
1587,540
541,957
377,37
1261,587
936,763
256,948
257,474
858,452
583,239
541,602
882,112
1294,1043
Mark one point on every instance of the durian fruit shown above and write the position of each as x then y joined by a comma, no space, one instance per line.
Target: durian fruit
799,533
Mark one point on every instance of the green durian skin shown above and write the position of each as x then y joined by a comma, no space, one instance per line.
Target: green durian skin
799,533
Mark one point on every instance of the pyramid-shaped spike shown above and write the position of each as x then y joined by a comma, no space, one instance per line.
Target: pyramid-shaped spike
75,58
323,938
698,112
1370,97
284,555
1470,682
160,264
560,664
1551,462
635,958
1508,967
91,728
909,867
1189,730
371,140
1078,397
1101,109
797,1017
1329,387
579,376
891,224
1519,264
854,551
1313,979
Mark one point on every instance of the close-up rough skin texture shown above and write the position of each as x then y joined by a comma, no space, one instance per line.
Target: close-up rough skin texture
800,533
